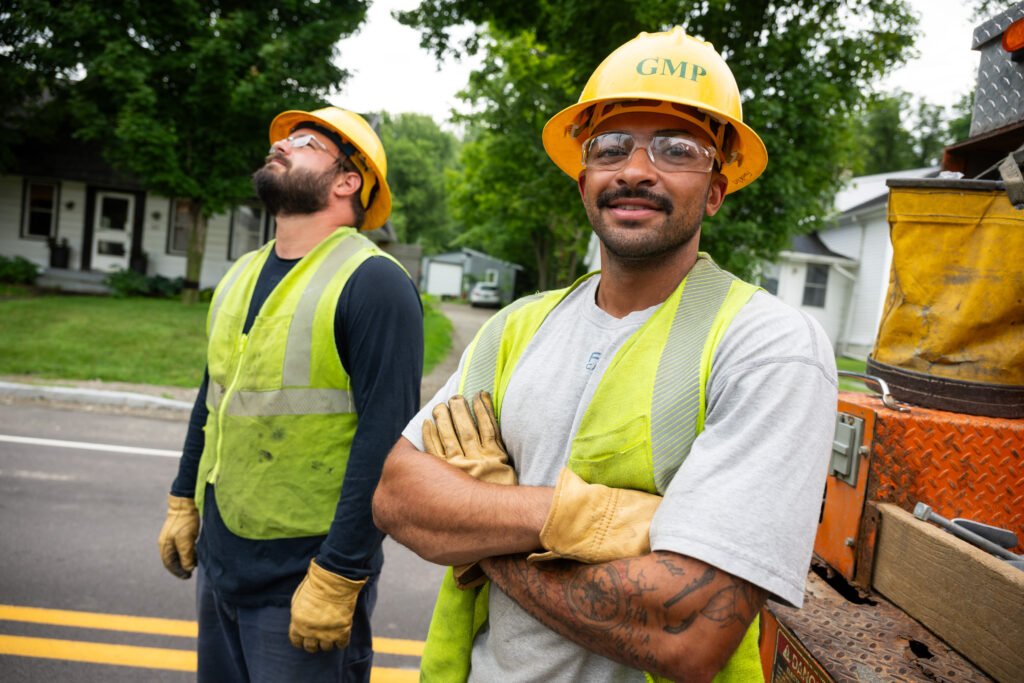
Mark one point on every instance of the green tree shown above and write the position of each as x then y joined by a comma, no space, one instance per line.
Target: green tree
883,143
895,132
931,133
802,67
960,124
179,93
982,10
419,152
511,200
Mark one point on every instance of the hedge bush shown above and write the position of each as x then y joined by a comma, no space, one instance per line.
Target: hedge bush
18,270
124,283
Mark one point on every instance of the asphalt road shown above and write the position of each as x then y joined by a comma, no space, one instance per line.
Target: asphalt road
82,499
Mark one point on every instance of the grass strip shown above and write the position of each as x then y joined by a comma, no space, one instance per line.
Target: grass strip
139,340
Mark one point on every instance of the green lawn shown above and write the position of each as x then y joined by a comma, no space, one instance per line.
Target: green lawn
147,341
437,334
854,366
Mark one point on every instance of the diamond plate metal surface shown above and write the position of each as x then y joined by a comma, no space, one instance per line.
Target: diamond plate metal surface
961,465
870,642
999,98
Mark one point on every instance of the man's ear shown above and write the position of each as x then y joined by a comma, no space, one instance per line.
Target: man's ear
347,184
581,181
716,193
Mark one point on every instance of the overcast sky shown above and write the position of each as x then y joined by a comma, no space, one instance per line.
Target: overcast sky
391,72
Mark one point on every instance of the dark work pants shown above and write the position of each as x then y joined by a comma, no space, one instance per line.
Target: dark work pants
250,644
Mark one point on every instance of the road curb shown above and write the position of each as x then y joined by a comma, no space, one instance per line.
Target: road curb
122,399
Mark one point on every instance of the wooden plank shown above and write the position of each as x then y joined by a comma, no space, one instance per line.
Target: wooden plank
971,600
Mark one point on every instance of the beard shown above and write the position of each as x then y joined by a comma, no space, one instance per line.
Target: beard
629,240
288,192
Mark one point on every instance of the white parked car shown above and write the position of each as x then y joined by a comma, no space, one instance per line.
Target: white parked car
485,294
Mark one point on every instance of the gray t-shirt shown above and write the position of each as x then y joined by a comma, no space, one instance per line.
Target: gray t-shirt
745,500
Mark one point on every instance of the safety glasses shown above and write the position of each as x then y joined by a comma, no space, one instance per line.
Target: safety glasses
306,140
672,153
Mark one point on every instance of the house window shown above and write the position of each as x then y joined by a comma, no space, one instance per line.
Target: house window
177,237
815,285
491,276
39,214
246,230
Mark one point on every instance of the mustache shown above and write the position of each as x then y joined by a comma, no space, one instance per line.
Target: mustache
280,157
608,196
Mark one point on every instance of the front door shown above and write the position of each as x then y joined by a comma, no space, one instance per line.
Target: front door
112,230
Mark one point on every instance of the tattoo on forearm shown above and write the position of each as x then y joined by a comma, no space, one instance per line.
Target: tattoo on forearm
597,597
687,621
609,614
707,577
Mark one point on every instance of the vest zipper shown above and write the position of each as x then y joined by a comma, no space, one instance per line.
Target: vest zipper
222,408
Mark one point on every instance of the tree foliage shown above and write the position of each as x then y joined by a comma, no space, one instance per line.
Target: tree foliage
982,10
510,200
896,131
418,153
802,68
179,93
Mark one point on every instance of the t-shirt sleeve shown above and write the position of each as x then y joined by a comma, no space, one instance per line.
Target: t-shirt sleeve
414,429
746,500
379,334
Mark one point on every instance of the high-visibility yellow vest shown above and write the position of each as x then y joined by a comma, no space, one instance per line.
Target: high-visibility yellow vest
635,432
281,413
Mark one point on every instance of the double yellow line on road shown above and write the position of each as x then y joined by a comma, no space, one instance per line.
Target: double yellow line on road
148,657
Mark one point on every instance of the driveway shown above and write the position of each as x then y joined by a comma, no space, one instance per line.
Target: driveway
466,320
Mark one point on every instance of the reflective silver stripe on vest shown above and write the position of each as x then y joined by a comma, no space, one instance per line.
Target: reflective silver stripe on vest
214,395
676,400
291,402
480,375
226,287
299,348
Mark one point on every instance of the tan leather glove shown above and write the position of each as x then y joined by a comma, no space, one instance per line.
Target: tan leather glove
322,608
178,536
473,447
594,523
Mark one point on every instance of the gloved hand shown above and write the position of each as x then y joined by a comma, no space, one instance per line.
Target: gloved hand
595,523
322,609
178,536
473,447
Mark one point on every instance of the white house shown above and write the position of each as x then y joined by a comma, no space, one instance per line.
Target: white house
101,221
859,232
814,278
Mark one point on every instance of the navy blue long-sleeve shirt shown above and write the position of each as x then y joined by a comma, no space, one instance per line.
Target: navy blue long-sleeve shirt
378,331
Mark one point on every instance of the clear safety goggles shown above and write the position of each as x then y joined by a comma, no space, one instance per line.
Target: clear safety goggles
301,141
672,153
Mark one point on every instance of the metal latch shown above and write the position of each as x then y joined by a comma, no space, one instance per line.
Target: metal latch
846,448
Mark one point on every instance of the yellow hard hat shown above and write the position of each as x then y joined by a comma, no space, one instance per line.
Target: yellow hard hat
367,155
671,73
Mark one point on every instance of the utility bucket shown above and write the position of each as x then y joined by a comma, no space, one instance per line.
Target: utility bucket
952,330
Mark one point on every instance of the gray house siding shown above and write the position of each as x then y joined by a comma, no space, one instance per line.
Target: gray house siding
476,266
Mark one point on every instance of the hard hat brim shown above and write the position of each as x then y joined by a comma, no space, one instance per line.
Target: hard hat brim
566,151
380,208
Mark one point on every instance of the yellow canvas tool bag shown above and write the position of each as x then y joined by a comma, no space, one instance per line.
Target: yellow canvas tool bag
952,329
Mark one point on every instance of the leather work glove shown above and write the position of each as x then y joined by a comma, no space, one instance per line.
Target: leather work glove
595,523
473,447
322,609
178,536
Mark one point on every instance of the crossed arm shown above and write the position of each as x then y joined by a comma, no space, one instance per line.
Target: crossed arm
664,613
